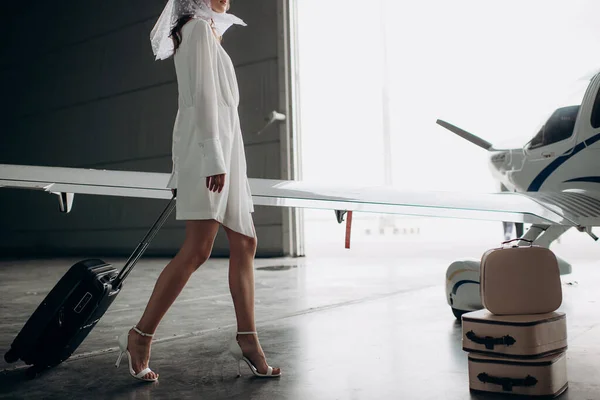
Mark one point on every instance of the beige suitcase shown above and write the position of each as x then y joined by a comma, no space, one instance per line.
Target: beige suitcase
520,280
514,336
545,377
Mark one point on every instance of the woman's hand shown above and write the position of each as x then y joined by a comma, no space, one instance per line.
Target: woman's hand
215,183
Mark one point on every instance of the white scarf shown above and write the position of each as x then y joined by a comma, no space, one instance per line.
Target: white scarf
162,44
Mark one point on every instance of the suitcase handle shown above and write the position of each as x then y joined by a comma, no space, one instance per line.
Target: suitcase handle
507,383
143,245
490,341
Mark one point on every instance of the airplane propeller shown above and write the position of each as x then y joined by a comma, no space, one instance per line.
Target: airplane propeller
484,144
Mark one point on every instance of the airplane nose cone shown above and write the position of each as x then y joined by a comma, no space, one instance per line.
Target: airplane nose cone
499,160
498,163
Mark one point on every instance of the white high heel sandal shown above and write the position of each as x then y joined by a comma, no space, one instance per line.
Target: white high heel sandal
123,341
236,352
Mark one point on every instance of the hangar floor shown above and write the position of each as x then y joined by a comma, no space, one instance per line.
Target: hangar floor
347,326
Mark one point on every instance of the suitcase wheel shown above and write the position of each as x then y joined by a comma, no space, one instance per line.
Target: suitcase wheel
33,372
11,356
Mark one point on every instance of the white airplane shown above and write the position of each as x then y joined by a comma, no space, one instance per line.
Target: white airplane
560,165
554,183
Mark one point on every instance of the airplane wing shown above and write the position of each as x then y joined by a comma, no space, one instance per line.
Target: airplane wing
579,207
510,207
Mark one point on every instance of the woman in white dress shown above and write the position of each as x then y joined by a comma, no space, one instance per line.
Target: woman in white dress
209,178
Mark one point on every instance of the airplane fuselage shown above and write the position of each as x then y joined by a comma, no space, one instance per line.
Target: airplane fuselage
518,173
564,154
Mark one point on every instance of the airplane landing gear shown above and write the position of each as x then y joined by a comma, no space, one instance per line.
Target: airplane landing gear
459,313
462,287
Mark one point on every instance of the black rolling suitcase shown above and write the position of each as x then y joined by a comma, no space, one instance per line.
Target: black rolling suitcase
73,307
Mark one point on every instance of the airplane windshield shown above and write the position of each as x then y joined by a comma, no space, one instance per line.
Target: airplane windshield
561,123
558,127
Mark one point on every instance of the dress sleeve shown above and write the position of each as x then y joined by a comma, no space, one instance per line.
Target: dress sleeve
212,161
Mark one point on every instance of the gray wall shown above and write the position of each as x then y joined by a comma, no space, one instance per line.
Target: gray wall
80,88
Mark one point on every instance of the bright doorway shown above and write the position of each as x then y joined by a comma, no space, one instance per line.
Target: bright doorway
375,76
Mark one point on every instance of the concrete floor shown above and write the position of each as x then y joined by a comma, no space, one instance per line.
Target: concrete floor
351,326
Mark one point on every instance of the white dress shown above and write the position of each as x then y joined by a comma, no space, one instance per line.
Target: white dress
207,138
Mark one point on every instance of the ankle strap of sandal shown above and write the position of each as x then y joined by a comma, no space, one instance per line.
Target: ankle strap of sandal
142,333
246,333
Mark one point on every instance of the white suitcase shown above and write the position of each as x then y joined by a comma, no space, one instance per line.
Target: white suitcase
515,336
533,377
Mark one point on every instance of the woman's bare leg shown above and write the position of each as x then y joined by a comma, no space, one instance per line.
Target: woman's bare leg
241,285
196,249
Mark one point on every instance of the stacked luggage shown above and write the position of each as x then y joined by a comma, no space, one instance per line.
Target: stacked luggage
517,344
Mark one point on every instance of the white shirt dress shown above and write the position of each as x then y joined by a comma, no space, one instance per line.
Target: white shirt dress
207,138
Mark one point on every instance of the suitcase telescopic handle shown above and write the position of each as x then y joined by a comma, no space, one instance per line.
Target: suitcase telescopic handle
490,341
507,383
143,245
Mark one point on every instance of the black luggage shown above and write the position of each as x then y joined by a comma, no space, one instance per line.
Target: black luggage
73,307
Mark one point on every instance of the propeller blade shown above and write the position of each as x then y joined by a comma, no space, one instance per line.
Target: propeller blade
484,144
